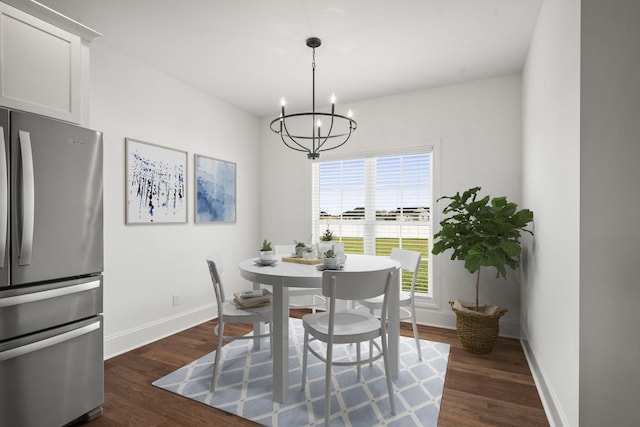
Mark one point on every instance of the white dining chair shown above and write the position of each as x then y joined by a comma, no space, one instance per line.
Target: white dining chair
410,261
317,300
349,326
229,313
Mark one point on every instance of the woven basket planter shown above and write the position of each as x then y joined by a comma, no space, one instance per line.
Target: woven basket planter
477,331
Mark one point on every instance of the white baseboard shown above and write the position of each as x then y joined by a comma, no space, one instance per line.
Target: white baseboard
133,338
554,416
130,339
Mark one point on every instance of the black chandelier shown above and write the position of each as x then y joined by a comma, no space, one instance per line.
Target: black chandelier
288,125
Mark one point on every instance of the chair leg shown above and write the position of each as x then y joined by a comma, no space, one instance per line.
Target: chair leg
327,385
371,345
415,331
387,371
305,349
270,338
216,363
358,360
257,326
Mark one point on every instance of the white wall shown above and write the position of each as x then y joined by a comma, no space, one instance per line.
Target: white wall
610,219
551,188
145,265
478,128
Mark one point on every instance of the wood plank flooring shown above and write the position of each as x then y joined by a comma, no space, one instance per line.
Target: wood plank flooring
480,390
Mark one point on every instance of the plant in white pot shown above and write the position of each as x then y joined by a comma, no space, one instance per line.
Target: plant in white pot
330,260
309,252
299,248
266,252
481,232
326,242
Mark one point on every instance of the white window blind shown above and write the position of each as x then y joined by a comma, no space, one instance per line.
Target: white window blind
375,204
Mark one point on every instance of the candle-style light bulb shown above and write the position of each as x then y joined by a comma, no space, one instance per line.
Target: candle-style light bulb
333,98
282,102
350,114
318,123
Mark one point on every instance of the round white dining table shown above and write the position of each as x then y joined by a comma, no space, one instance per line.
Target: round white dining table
283,275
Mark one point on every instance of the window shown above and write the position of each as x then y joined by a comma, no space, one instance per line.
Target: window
375,204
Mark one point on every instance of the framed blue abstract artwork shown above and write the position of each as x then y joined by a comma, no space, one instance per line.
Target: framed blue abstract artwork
215,190
156,187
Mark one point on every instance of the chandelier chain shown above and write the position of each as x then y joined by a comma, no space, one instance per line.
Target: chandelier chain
313,88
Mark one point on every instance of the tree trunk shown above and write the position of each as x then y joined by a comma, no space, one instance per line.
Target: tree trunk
477,290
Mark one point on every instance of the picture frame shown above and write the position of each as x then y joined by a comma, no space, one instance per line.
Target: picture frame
156,184
215,190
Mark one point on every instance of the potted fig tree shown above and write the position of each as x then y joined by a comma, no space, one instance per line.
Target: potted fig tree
482,232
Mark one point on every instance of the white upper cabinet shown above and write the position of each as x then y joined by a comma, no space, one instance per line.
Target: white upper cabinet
44,69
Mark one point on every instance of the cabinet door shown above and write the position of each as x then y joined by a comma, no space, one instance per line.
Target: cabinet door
40,66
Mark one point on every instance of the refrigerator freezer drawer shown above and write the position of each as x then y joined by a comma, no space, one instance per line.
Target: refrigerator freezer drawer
31,309
53,377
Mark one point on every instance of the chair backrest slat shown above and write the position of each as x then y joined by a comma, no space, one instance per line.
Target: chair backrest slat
410,261
352,285
356,285
217,284
284,249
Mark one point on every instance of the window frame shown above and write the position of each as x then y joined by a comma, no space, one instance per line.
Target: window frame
426,300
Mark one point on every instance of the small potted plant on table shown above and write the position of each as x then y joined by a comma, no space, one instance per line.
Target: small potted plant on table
266,252
325,242
309,253
330,261
299,248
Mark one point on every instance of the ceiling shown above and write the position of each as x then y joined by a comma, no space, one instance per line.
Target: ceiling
251,53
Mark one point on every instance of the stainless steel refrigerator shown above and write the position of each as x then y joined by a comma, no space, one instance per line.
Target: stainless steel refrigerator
51,262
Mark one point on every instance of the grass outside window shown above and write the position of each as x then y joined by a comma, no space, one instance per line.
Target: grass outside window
384,245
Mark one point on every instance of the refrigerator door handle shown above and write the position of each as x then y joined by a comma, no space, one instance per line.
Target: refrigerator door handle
4,198
51,293
48,342
28,198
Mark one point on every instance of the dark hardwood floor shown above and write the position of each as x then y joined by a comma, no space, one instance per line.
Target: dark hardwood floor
480,390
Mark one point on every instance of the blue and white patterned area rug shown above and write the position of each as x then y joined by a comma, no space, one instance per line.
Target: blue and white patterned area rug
244,385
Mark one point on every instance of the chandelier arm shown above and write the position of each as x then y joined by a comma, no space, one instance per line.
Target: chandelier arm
341,144
292,138
282,136
352,125
328,136
303,149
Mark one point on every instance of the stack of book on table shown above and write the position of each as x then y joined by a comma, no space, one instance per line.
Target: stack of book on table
252,299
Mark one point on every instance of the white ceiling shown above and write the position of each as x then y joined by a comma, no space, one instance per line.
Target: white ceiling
250,53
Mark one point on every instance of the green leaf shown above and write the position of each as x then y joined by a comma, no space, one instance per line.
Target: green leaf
511,247
473,262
